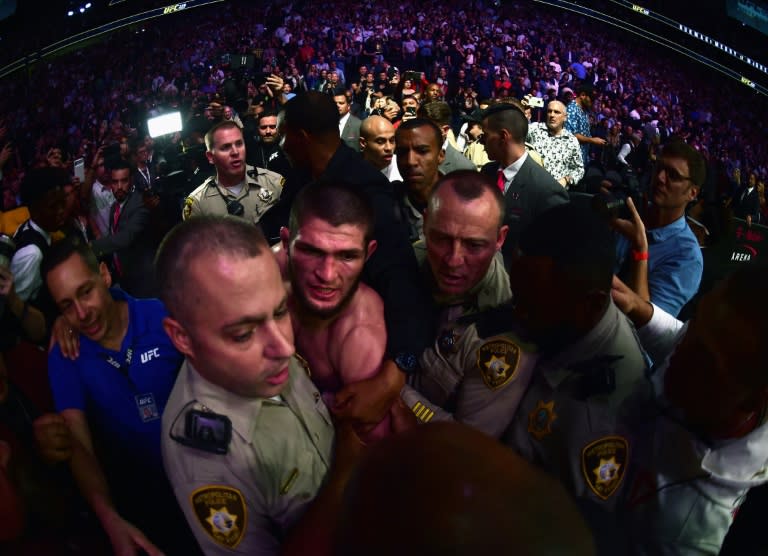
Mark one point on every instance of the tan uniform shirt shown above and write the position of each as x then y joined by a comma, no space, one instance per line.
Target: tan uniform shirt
243,502
262,190
477,381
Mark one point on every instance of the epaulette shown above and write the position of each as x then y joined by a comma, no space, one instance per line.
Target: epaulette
596,376
493,322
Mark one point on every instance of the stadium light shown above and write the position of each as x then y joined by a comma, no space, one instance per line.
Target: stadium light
70,13
88,5
82,10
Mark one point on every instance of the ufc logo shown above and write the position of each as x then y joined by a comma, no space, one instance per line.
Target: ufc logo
147,356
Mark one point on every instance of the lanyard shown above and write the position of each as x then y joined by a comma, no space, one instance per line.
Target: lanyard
124,367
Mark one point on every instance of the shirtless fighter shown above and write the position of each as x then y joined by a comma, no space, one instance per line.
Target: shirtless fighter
338,322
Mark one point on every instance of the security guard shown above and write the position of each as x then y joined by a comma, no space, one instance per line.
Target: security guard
247,439
236,189
472,378
590,362
459,257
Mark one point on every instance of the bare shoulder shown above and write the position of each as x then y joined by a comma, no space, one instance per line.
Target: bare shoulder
362,318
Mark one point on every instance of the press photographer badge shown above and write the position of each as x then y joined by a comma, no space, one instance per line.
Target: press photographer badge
147,407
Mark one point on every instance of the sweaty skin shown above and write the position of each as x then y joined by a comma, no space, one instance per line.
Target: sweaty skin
345,348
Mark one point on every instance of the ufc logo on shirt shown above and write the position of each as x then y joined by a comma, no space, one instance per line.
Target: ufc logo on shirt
147,356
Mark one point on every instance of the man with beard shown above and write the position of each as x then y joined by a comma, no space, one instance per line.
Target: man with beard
336,319
577,121
267,153
558,147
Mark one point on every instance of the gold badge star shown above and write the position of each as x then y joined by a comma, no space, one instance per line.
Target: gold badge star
497,365
221,520
607,471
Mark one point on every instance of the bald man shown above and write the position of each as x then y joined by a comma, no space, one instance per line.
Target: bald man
457,500
377,145
558,147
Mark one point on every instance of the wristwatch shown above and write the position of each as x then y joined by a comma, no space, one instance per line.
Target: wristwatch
407,362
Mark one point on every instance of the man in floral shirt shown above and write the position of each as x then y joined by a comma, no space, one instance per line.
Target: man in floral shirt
577,121
558,146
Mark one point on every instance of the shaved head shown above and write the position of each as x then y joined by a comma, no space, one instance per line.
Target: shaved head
556,115
377,141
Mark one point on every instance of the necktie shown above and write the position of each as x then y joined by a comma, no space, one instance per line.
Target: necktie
500,180
115,218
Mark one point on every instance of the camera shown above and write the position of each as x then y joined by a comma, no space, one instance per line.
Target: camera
209,431
7,249
611,205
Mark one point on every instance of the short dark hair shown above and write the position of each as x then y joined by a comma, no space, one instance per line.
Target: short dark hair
266,114
438,111
120,164
224,124
39,181
421,122
560,232
696,166
336,203
201,236
509,117
63,250
313,112
470,185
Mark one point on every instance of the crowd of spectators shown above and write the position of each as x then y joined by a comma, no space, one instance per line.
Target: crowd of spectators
105,91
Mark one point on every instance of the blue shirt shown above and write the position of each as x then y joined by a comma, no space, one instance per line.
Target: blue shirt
576,121
675,264
125,410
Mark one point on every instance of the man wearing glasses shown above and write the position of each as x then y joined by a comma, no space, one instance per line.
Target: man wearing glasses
658,252
237,188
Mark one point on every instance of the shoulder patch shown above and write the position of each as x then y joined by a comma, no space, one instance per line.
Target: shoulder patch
604,464
187,212
221,512
497,361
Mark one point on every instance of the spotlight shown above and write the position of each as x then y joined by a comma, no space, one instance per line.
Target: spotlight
70,13
88,5
82,10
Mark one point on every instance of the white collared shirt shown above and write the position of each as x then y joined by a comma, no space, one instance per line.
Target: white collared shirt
343,122
511,171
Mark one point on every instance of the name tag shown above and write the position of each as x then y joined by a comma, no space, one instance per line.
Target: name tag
147,407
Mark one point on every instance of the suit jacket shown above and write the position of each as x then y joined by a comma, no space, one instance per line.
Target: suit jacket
351,133
454,160
748,205
531,193
133,245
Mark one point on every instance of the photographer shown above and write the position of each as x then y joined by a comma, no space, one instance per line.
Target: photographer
660,242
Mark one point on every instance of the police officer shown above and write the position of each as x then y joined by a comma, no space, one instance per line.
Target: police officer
590,361
236,189
463,233
247,438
